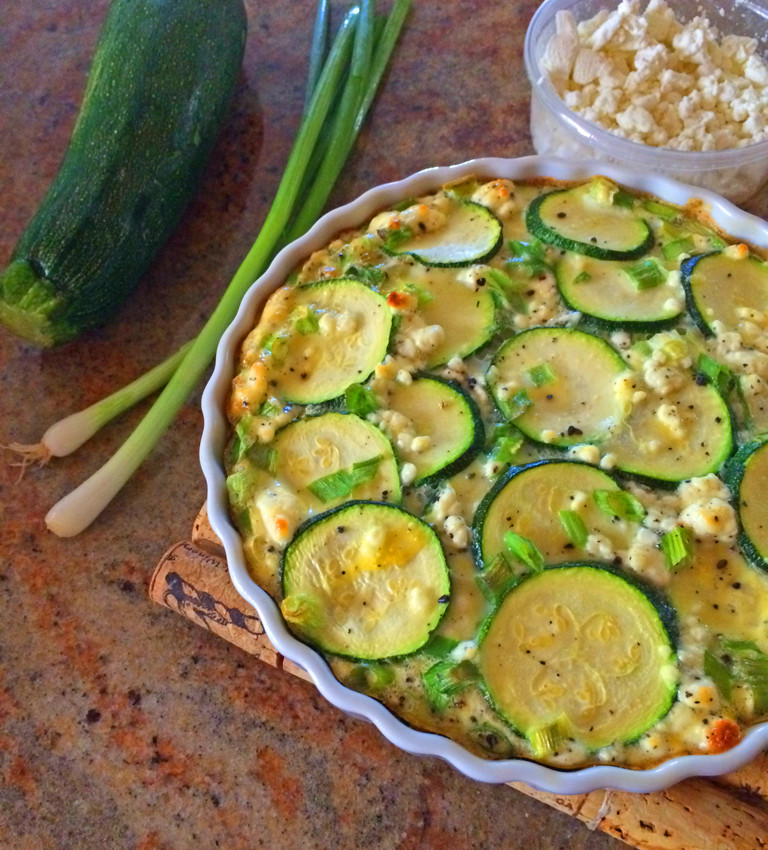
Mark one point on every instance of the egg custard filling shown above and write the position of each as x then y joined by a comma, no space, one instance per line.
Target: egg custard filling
499,455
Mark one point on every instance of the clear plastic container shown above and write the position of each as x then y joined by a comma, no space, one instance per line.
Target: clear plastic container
737,173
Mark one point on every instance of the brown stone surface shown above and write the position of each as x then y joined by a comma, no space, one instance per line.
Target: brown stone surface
121,724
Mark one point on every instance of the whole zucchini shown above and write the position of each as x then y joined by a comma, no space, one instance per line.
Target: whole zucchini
160,84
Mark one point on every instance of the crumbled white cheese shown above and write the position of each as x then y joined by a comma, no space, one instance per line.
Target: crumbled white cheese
653,79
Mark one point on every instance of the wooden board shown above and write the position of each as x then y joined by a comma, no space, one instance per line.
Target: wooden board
726,813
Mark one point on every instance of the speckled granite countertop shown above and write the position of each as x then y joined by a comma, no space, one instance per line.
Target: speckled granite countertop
121,724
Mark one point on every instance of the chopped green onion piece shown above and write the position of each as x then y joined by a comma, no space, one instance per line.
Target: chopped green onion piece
447,678
303,609
646,274
519,403
643,348
749,665
395,238
370,675
360,400
308,323
341,483
263,456
502,281
524,550
370,275
719,672
530,257
677,546
423,296
623,199
619,504
541,375
720,376
582,277
496,579
268,409
663,211
438,646
506,442
573,526
672,250
546,739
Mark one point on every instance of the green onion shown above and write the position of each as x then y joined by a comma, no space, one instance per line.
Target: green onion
79,508
647,274
308,323
677,546
68,434
521,401
672,250
338,485
360,400
749,665
623,199
447,678
530,257
541,375
268,409
546,739
663,211
438,646
717,374
496,579
573,526
619,504
582,277
524,550
506,442
371,675
719,672
508,289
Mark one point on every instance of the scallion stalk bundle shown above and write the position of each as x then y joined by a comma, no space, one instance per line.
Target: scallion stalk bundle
342,84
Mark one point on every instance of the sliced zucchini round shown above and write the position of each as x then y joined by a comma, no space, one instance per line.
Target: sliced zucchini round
746,474
331,458
529,500
556,384
584,219
471,234
449,420
580,651
608,290
315,358
366,580
466,315
716,285
673,441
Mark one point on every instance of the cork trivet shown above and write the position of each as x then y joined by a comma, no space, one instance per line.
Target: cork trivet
727,813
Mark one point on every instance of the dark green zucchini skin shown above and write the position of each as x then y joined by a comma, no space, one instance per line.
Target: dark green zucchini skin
160,84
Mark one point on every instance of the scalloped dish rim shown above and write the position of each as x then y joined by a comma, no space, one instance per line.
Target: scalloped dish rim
733,220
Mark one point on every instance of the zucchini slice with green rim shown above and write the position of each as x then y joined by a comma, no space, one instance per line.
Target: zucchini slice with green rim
555,383
366,580
717,285
586,221
471,234
581,649
672,441
447,417
314,450
466,315
604,290
315,359
746,474
528,500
